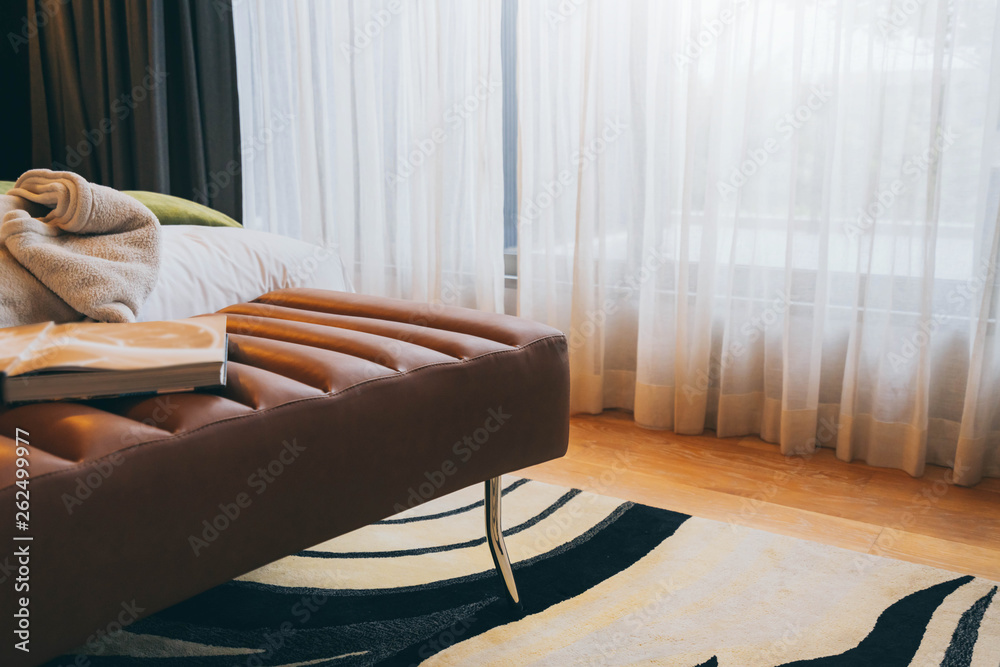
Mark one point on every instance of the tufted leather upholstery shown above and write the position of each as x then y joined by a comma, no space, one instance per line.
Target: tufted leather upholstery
352,406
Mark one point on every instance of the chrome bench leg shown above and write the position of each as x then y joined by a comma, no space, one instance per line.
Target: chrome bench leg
494,536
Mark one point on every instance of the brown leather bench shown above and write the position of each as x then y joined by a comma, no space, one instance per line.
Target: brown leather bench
339,410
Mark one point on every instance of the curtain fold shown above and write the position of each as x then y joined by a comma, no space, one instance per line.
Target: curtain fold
138,95
771,218
375,131
15,159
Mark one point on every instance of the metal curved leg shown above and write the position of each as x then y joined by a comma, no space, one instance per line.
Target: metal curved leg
494,536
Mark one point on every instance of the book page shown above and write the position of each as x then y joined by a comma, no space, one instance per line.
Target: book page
15,341
82,346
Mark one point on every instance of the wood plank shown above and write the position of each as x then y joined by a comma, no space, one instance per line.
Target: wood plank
819,497
649,490
945,554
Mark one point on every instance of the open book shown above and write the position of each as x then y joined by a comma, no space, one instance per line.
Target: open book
81,360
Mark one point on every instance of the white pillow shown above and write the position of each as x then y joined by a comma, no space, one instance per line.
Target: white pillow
203,269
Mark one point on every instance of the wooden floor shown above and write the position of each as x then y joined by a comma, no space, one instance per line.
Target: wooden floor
818,498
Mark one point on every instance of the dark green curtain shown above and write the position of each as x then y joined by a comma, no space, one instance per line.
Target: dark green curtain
138,94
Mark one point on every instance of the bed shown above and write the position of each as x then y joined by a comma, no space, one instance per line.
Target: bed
209,261
205,269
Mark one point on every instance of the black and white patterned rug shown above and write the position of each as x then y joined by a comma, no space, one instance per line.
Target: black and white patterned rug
604,582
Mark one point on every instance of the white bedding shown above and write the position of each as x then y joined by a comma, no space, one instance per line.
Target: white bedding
204,269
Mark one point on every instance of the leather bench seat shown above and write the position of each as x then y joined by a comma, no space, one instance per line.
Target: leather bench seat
339,410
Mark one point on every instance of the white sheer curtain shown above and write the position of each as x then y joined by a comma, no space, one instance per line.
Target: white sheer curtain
373,127
771,217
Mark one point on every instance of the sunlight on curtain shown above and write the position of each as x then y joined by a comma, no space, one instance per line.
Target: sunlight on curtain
374,129
771,217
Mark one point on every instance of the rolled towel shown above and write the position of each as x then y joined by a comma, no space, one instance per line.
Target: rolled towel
9,203
95,248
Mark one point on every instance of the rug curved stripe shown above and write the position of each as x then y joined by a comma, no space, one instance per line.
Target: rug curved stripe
896,636
547,512
459,510
288,644
612,550
475,606
675,590
264,606
519,507
476,576
963,640
573,520
452,501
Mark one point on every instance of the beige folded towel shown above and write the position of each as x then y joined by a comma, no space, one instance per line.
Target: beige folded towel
89,250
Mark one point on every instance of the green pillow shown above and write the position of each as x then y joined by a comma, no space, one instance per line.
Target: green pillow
170,210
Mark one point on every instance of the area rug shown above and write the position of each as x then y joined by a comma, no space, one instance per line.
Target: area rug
604,582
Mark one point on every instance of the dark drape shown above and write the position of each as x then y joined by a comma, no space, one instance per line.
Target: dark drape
138,94
15,112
